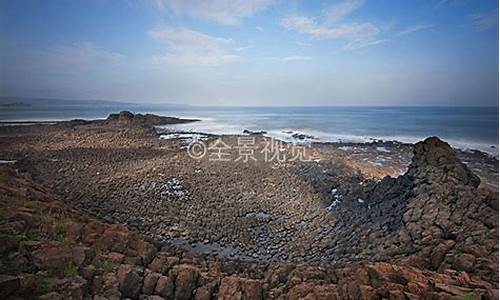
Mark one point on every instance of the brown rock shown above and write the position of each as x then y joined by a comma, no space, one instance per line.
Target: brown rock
252,289
162,263
30,220
56,258
9,242
301,291
149,283
205,292
186,278
92,232
326,292
8,285
129,281
73,229
113,257
51,296
88,272
230,289
165,287
115,238
154,297
464,262
439,252
233,287
144,249
76,288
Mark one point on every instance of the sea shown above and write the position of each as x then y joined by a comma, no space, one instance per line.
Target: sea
468,128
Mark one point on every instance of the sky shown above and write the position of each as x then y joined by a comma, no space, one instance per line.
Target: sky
252,52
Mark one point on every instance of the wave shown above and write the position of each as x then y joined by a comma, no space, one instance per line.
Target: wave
217,127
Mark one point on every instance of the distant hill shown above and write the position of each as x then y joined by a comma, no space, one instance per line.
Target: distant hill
15,102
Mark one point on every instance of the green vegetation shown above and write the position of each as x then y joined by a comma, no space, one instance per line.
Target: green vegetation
65,240
469,296
96,249
43,286
48,220
32,236
70,269
106,265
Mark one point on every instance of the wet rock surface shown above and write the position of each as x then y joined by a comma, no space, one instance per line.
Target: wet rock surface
238,230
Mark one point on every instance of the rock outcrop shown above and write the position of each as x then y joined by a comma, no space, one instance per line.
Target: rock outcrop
147,120
450,223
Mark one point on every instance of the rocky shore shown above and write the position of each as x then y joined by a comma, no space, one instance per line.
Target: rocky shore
107,209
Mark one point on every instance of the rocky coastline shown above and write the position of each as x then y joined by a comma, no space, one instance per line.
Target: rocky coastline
107,210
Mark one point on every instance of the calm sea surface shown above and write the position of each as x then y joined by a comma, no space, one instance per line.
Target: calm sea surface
463,127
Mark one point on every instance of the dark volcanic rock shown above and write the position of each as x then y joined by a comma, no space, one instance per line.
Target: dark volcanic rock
128,118
260,132
435,161
434,216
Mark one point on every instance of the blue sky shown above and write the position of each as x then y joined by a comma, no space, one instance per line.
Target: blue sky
254,52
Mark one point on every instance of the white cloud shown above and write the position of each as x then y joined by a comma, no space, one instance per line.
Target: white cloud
338,11
227,12
485,21
363,34
361,43
310,26
304,44
414,28
190,47
244,48
296,58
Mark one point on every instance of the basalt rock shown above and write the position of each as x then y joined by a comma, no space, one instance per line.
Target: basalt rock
127,118
435,162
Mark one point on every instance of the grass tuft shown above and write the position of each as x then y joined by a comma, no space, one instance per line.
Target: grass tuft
469,296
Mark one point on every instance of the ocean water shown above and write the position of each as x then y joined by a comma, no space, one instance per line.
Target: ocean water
463,127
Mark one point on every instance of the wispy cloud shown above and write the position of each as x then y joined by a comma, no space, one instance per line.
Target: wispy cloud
190,47
227,12
358,44
333,26
296,58
451,2
304,44
309,26
244,48
485,21
338,11
413,29
362,34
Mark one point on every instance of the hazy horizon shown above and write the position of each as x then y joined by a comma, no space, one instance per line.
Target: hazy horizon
253,53
14,99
